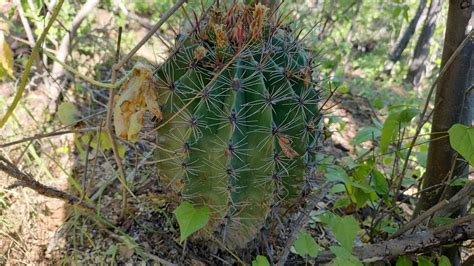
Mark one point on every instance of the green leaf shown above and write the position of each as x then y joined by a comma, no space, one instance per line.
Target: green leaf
112,252
343,89
68,114
260,261
366,134
392,124
404,261
407,115
423,261
337,173
342,202
444,261
440,220
380,183
338,188
104,141
344,257
461,138
190,218
306,245
345,229
460,181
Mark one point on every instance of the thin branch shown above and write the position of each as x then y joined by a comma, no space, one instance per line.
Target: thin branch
27,180
47,135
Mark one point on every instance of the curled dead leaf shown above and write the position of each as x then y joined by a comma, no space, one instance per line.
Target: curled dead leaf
138,95
285,144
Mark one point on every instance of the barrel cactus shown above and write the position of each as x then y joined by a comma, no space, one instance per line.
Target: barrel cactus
240,118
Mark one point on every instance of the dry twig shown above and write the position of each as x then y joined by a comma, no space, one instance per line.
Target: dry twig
460,230
26,180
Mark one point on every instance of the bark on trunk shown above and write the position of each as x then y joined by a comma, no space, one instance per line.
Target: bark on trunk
422,49
452,105
397,51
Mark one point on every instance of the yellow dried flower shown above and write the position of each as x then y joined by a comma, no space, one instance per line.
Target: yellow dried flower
221,36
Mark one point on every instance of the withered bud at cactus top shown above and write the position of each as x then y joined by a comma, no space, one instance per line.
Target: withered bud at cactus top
199,53
215,16
236,13
238,33
257,23
221,36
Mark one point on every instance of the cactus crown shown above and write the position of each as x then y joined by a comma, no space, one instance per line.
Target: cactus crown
240,118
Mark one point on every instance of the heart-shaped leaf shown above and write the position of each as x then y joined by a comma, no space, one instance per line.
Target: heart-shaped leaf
306,245
461,138
190,219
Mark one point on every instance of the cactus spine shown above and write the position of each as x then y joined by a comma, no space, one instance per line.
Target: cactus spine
240,110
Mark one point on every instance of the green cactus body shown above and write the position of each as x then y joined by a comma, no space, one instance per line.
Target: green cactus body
240,119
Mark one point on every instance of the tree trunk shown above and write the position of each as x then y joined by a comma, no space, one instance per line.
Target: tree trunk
397,51
452,105
422,49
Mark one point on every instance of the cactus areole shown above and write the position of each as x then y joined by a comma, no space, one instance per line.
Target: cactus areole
240,118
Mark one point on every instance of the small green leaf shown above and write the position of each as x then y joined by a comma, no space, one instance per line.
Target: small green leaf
444,261
306,245
404,261
389,131
342,202
380,183
461,138
104,141
392,125
440,220
460,181
68,114
423,261
345,229
407,115
338,188
112,252
260,261
344,257
343,89
337,173
190,219
366,134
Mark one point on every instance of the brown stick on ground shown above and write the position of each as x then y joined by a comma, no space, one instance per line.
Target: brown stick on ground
26,180
460,230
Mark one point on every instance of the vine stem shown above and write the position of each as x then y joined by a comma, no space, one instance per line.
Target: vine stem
29,63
